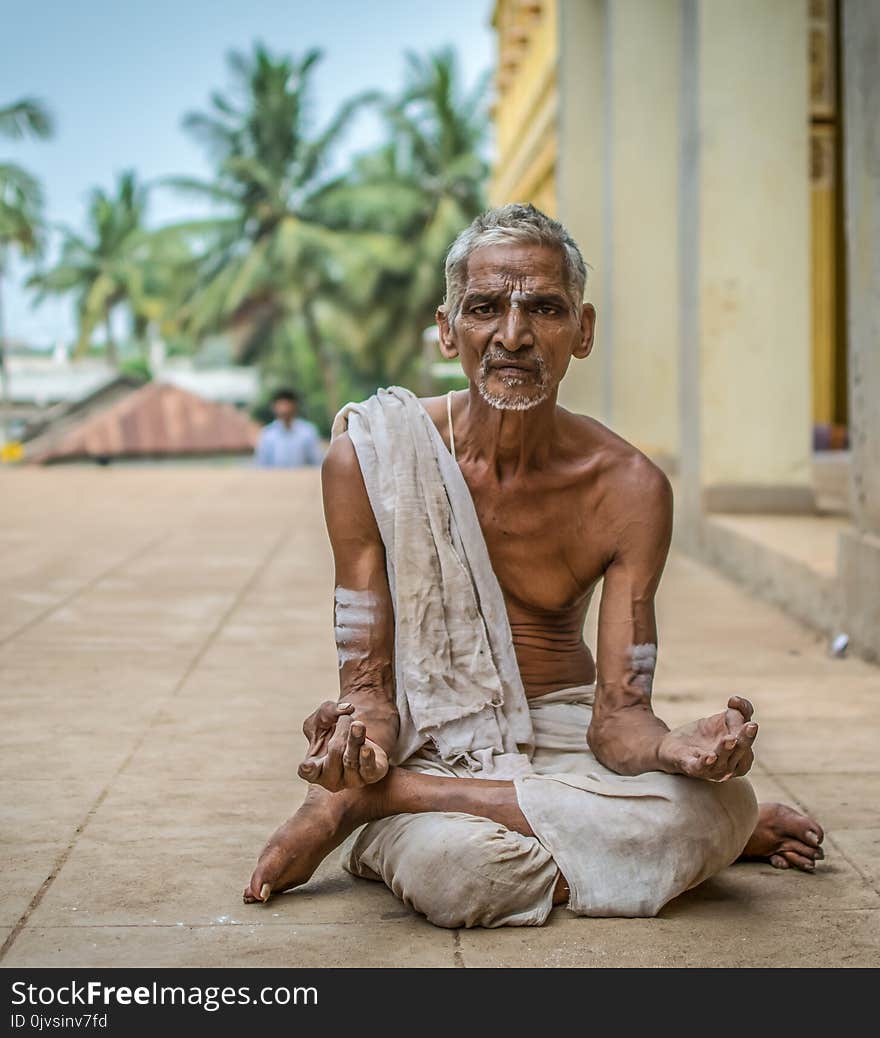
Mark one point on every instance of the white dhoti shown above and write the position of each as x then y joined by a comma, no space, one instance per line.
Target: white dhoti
625,844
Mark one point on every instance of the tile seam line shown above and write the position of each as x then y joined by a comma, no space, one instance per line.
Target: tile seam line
102,796
304,926
89,584
829,838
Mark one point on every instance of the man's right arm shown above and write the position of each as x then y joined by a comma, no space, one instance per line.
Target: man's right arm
364,629
263,452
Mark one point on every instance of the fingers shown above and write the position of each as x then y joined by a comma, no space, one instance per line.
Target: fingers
351,755
734,753
741,756
311,768
368,764
333,769
374,762
742,706
321,723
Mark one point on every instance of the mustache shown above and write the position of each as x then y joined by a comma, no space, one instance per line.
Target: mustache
499,357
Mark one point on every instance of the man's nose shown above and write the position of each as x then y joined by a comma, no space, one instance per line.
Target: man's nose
514,329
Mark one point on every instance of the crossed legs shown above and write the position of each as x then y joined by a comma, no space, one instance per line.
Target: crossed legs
325,819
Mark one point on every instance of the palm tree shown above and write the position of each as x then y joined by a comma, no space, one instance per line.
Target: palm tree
114,263
266,263
423,186
21,197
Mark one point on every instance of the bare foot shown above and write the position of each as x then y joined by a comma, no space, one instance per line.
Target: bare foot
299,846
785,837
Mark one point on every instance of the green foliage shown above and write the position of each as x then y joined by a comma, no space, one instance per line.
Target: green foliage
261,268
27,117
326,281
117,261
420,189
21,197
136,367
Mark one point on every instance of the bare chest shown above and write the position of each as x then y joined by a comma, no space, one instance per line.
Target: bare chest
542,549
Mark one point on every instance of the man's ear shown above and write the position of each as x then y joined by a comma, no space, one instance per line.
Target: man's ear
588,329
447,346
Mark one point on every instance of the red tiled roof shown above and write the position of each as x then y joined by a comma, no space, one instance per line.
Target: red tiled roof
157,419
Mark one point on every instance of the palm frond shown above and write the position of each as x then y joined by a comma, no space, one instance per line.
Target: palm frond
26,117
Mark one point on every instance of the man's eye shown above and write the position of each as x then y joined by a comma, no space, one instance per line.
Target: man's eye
546,309
482,309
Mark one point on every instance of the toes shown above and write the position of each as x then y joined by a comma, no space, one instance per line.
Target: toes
799,861
256,891
806,829
778,862
803,849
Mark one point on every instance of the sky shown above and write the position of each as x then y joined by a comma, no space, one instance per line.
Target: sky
118,76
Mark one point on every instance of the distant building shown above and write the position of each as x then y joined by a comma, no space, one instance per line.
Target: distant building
154,422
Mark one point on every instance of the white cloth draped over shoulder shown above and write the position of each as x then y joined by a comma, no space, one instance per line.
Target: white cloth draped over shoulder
625,844
458,684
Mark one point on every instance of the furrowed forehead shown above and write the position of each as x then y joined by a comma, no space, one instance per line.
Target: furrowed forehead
527,264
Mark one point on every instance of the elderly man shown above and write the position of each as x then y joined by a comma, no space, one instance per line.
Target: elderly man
479,761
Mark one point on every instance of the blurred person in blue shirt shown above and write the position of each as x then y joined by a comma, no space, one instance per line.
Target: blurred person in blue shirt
289,442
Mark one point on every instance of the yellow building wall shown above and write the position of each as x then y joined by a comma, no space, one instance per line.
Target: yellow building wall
828,325
526,105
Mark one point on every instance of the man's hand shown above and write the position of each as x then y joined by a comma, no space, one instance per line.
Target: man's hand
340,756
715,748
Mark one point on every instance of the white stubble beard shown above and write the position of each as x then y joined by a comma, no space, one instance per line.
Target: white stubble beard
512,401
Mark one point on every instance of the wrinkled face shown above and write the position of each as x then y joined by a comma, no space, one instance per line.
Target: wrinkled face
517,329
285,410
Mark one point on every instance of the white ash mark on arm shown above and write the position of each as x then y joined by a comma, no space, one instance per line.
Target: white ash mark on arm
643,662
355,614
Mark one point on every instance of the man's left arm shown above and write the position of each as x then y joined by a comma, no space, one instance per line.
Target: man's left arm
263,452
625,734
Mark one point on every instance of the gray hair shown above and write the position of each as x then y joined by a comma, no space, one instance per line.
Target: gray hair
504,225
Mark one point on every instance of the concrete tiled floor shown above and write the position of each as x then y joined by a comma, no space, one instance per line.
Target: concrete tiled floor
164,631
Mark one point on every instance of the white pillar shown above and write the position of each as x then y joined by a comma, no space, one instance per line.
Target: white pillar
642,189
860,548
579,183
745,247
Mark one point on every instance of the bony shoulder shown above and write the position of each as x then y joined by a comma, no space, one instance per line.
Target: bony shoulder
340,460
637,474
